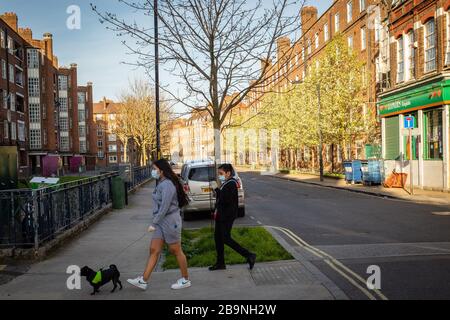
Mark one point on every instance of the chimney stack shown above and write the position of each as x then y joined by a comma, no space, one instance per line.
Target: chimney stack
283,47
26,33
11,20
308,17
48,40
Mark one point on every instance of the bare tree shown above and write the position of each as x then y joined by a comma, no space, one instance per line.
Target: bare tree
215,48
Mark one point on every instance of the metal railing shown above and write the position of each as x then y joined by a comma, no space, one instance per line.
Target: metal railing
28,218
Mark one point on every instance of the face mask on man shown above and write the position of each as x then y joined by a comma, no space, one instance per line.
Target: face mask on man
155,174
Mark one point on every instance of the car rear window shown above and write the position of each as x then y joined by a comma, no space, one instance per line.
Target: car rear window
204,174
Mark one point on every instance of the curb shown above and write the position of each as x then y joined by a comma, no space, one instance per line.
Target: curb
334,290
371,193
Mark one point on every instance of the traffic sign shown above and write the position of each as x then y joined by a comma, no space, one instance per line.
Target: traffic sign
409,122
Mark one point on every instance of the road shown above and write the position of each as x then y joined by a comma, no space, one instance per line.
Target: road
409,243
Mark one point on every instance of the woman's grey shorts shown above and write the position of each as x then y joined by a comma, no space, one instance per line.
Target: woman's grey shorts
169,229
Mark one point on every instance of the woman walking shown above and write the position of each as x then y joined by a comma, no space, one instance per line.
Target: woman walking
226,212
168,198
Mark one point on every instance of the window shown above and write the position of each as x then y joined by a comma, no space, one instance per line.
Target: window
349,11
5,99
112,148
336,23
45,137
112,117
63,124
100,143
400,60
12,102
11,73
35,139
62,83
410,56
10,45
447,54
326,33
112,138
2,39
362,5
4,69
82,130
35,113
99,132
33,87
82,146
63,105
81,98
363,39
433,135
204,174
33,58
308,46
21,130
101,154
81,116
98,117
316,40
350,42
5,129
64,143
112,159
430,46
13,131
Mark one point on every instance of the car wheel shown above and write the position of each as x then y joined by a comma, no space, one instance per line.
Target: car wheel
241,212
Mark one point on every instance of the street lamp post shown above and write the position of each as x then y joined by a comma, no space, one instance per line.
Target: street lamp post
158,125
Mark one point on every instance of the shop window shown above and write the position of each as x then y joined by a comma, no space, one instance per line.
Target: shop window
433,135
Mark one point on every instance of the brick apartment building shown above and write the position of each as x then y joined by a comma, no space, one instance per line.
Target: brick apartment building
109,149
49,114
420,87
355,21
14,99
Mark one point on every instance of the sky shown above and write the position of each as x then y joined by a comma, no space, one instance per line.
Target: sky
98,52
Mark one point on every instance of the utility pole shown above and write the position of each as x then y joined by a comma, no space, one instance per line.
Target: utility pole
320,134
158,124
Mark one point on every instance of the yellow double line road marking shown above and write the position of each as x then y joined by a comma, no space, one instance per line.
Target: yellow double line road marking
347,273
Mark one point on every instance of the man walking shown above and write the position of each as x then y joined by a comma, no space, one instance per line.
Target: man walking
226,212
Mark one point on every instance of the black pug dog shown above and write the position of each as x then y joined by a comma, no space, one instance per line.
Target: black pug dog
102,277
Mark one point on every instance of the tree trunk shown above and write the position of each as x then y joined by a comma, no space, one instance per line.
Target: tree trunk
217,140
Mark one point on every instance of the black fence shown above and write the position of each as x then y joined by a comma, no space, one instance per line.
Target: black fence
29,218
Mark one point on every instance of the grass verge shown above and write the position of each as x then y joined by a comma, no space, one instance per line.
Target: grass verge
199,247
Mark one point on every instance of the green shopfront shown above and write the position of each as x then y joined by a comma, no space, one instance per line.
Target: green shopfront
429,159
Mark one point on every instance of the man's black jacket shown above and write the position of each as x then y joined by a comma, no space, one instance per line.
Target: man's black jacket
227,202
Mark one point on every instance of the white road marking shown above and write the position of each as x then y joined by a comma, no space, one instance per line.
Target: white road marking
333,263
441,213
2,267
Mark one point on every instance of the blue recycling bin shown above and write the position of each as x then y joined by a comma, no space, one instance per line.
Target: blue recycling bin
353,171
373,174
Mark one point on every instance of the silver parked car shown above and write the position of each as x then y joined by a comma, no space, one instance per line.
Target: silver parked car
199,181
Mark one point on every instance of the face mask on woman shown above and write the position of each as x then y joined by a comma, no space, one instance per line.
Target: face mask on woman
155,174
222,178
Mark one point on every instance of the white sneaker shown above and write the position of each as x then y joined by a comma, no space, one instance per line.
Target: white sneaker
181,284
138,282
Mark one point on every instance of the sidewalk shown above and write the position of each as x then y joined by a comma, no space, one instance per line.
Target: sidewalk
120,238
420,196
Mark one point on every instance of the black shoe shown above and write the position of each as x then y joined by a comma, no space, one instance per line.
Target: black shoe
217,267
251,261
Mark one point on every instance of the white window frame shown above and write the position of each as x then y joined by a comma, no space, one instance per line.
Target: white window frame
363,39
400,59
316,40
337,23
326,32
430,64
362,5
349,11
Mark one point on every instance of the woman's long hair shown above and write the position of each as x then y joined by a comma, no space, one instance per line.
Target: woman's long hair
164,166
